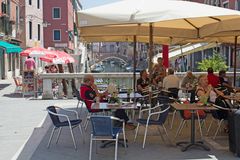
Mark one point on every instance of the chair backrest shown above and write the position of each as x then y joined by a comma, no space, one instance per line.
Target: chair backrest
220,114
174,92
77,93
163,116
54,118
101,125
163,99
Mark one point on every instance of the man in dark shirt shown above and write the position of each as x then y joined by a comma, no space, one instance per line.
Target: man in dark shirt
143,82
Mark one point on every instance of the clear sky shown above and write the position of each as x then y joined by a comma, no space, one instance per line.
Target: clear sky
93,3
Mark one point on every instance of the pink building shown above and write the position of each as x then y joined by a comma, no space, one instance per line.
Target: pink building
58,24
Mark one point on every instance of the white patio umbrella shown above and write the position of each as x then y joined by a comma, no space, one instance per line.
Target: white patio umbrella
169,20
181,19
166,18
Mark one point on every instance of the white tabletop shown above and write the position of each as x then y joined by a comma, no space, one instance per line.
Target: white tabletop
132,95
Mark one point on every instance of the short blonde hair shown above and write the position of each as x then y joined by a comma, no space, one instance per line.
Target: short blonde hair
87,78
201,76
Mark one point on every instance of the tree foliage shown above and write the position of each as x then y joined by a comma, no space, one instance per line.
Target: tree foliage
217,62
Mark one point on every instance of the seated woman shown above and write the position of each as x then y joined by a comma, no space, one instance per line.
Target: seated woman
205,91
225,84
143,82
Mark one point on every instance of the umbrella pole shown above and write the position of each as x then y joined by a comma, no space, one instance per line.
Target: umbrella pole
150,50
150,61
235,61
134,62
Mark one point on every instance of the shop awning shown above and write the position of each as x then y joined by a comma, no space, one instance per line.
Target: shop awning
10,48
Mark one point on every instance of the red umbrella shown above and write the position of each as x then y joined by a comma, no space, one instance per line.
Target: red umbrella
38,52
61,58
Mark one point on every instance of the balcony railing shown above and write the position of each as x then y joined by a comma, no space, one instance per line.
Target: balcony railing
121,80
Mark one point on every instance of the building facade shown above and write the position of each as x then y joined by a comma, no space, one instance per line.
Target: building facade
31,23
9,32
58,31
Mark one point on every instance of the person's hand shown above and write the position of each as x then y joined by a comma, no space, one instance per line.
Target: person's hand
106,93
210,87
94,87
221,94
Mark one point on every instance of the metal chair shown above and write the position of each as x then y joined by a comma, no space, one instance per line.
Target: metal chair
219,116
19,85
161,118
55,117
200,119
90,112
103,130
167,100
80,101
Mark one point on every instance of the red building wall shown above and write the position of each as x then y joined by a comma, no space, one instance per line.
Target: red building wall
65,23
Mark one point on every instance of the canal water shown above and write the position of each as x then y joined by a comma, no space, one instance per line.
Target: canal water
113,66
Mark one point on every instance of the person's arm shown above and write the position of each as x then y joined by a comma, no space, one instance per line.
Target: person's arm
164,72
139,87
94,87
34,65
164,83
219,92
183,84
200,92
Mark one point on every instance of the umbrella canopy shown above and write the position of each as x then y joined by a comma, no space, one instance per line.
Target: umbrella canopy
61,58
170,18
37,52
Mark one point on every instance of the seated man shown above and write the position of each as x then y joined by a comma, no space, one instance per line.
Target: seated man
171,82
225,85
143,82
89,92
189,83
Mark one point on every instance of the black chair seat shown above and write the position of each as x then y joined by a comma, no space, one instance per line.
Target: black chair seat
151,122
65,123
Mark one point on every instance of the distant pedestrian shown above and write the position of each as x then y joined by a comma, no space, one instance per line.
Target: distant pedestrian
29,64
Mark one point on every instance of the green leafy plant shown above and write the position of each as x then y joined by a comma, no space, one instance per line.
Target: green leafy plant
217,62
114,98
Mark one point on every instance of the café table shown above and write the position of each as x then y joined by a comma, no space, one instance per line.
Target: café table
192,107
113,106
131,95
233,97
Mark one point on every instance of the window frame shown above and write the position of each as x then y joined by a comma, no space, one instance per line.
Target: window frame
30,29
53,12
38,4
39,32
59,35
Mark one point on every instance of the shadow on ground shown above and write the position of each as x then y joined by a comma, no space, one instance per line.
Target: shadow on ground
155,149
2,86
14,95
